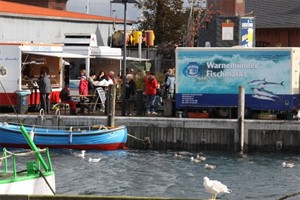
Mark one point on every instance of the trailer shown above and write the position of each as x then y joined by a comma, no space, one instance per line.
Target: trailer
20,67
209,78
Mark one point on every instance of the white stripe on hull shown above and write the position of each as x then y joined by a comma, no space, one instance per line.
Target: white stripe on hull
31,186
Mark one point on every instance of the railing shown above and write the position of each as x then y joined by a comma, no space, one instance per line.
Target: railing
30,165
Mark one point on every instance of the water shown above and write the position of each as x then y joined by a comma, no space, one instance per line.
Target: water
160,174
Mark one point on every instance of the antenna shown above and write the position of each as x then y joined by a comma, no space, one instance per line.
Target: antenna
87,6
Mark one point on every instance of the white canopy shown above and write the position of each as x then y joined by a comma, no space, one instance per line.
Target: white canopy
58,54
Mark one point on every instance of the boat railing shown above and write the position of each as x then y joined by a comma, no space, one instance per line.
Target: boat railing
32,167
67,128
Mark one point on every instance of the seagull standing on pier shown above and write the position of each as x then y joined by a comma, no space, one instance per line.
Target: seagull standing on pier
214,187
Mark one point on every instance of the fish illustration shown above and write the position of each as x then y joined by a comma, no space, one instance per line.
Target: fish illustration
272,83
257,82
264,92
262,97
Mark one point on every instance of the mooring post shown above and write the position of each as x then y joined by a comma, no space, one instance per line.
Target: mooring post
111,99
241,116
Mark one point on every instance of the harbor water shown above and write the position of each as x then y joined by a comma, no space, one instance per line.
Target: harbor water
161,174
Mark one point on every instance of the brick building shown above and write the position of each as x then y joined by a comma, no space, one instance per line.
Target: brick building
277,22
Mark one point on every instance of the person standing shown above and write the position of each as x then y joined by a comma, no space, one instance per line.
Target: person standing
45,88
91,83
150,91
170,84
83,89
129,93
83,84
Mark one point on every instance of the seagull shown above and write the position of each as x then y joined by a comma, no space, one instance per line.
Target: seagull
287,165
94,160
195,160
214,187
298,115
178,156
202,158
208,166
81,155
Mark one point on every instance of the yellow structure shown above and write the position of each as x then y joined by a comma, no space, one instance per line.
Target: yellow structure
137,35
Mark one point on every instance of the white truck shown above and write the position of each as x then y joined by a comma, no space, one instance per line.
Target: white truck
209,78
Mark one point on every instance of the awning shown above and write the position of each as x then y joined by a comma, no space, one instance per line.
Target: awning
58,54
121,58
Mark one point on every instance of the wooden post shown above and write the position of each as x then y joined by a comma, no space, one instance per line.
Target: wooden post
111,100
241,116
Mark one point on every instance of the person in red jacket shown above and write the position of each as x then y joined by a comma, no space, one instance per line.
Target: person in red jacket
83,89
150,91
83,84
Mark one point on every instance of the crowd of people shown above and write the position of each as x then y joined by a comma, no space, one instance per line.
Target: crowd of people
154,92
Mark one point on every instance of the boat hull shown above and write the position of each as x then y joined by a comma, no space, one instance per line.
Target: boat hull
100,139
28,185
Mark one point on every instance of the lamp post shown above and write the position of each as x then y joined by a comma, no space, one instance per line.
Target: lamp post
124,53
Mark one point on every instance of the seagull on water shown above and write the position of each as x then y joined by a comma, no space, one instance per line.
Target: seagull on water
287,165
195,160
178,156
215,187
94,160
298,115
80,155
202,158
208,166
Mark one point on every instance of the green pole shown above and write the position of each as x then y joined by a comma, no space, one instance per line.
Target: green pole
33,147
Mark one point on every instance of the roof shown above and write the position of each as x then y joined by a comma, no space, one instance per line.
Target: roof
275,13
9,8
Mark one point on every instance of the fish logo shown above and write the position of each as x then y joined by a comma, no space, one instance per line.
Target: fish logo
192,69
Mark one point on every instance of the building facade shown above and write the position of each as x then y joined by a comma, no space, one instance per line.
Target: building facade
277,23
26,23
52,4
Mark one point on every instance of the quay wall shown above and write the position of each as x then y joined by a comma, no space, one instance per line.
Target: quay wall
160,133
80,197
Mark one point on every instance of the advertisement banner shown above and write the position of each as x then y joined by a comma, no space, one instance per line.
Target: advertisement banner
212,77
247,32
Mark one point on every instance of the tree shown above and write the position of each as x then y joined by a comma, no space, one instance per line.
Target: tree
166,18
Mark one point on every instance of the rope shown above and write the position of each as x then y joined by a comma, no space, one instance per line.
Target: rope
288,196
41,173
135,137
145,141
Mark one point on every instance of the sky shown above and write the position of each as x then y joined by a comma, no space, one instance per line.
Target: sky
105,8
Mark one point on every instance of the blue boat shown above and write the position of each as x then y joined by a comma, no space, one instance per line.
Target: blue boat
89,138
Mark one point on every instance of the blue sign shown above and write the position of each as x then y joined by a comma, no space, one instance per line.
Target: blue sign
247,32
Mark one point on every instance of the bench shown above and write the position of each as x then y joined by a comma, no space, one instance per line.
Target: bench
61,105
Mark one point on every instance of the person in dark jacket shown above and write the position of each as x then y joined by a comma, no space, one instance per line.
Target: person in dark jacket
45,91
64,96
129,93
